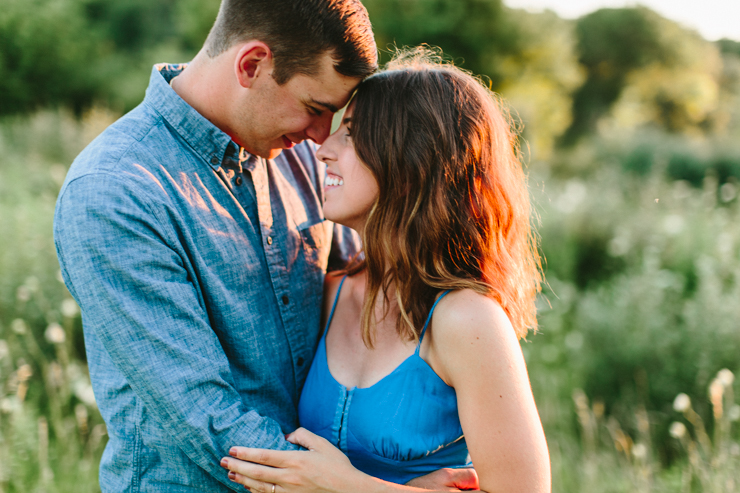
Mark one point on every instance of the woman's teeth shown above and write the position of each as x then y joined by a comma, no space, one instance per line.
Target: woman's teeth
334,181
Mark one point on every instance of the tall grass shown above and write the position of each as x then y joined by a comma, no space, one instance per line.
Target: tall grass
642,305
51,434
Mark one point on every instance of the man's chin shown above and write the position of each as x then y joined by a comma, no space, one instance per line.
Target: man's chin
265,153
273,153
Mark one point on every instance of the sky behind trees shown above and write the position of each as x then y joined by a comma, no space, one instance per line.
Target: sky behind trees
714,19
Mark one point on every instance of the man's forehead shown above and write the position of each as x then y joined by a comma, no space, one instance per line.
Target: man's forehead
330,89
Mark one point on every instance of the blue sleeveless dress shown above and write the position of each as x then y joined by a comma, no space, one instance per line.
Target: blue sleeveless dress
404,426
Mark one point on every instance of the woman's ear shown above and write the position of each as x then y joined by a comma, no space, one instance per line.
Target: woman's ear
254,59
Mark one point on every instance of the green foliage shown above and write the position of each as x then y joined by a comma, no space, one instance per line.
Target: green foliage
644,274
540,77
473,33
611,44
729,46
643,69
51,433
45,52
75,53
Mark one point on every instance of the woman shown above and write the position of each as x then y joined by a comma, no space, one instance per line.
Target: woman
420,362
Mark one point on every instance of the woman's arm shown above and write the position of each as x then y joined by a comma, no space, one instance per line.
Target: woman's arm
323,468
473,347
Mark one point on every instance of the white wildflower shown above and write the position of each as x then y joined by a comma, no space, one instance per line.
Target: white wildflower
23,294
55,334
639,451
84,392
682,403
19,326
69,308
24,372
734,413
677,430
726,377
9,404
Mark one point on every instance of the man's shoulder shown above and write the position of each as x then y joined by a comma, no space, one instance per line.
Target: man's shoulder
124,147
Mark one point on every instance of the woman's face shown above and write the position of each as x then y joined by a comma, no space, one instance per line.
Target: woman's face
350,189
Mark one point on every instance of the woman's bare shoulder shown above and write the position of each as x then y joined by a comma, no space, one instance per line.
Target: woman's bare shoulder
468,328
468,314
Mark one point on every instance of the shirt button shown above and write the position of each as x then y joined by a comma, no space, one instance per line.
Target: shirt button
214,160
269,240
286,300
238,181
300,361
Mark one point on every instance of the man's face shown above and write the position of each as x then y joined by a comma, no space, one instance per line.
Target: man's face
277,117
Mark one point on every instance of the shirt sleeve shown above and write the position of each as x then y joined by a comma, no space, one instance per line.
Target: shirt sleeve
125,271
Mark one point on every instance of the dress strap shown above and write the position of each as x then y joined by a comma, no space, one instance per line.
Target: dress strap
334,306
429,319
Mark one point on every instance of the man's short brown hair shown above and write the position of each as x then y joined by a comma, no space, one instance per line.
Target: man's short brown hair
298,32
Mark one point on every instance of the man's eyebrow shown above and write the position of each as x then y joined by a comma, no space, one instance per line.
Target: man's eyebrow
328,106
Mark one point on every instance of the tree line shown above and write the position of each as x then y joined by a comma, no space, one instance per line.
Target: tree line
623,67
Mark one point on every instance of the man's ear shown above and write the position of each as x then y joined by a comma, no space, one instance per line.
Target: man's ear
253,59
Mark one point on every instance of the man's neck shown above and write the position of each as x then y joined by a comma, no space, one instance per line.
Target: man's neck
204,85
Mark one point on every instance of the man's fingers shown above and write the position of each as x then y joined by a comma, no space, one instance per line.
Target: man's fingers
274,458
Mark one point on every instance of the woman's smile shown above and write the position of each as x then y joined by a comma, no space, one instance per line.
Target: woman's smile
333,180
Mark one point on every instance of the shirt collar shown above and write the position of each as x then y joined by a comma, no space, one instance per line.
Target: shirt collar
210,142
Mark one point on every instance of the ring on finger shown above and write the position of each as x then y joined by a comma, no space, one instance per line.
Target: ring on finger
273,489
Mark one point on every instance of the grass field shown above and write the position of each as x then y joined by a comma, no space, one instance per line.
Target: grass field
632,367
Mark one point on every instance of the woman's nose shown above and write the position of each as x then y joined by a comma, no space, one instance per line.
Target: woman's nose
326,152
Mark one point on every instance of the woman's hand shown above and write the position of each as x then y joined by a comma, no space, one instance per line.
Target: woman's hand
323,468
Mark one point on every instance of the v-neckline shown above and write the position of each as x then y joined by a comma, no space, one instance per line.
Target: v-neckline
356,388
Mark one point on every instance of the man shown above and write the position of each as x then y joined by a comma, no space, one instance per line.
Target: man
198,265
191,234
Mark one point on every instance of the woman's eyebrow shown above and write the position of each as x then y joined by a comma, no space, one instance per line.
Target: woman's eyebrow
347,121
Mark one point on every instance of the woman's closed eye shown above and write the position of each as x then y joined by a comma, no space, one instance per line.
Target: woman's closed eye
347,122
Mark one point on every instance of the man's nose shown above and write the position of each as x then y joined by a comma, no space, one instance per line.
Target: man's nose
320,128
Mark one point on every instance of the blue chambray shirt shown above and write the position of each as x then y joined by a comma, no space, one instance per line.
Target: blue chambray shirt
199,272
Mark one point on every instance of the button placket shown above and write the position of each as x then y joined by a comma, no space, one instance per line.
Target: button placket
262,190
260,173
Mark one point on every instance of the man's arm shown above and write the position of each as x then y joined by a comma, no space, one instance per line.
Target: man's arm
122,266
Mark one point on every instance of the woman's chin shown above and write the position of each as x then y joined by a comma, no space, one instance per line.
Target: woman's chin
343,220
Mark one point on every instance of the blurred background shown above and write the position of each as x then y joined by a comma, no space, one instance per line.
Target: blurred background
631,137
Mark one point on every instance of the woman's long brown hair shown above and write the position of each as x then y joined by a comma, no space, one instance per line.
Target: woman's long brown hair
453,209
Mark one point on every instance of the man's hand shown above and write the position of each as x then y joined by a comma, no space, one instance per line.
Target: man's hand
447,480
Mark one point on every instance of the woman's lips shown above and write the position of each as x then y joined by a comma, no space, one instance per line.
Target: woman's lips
287,142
